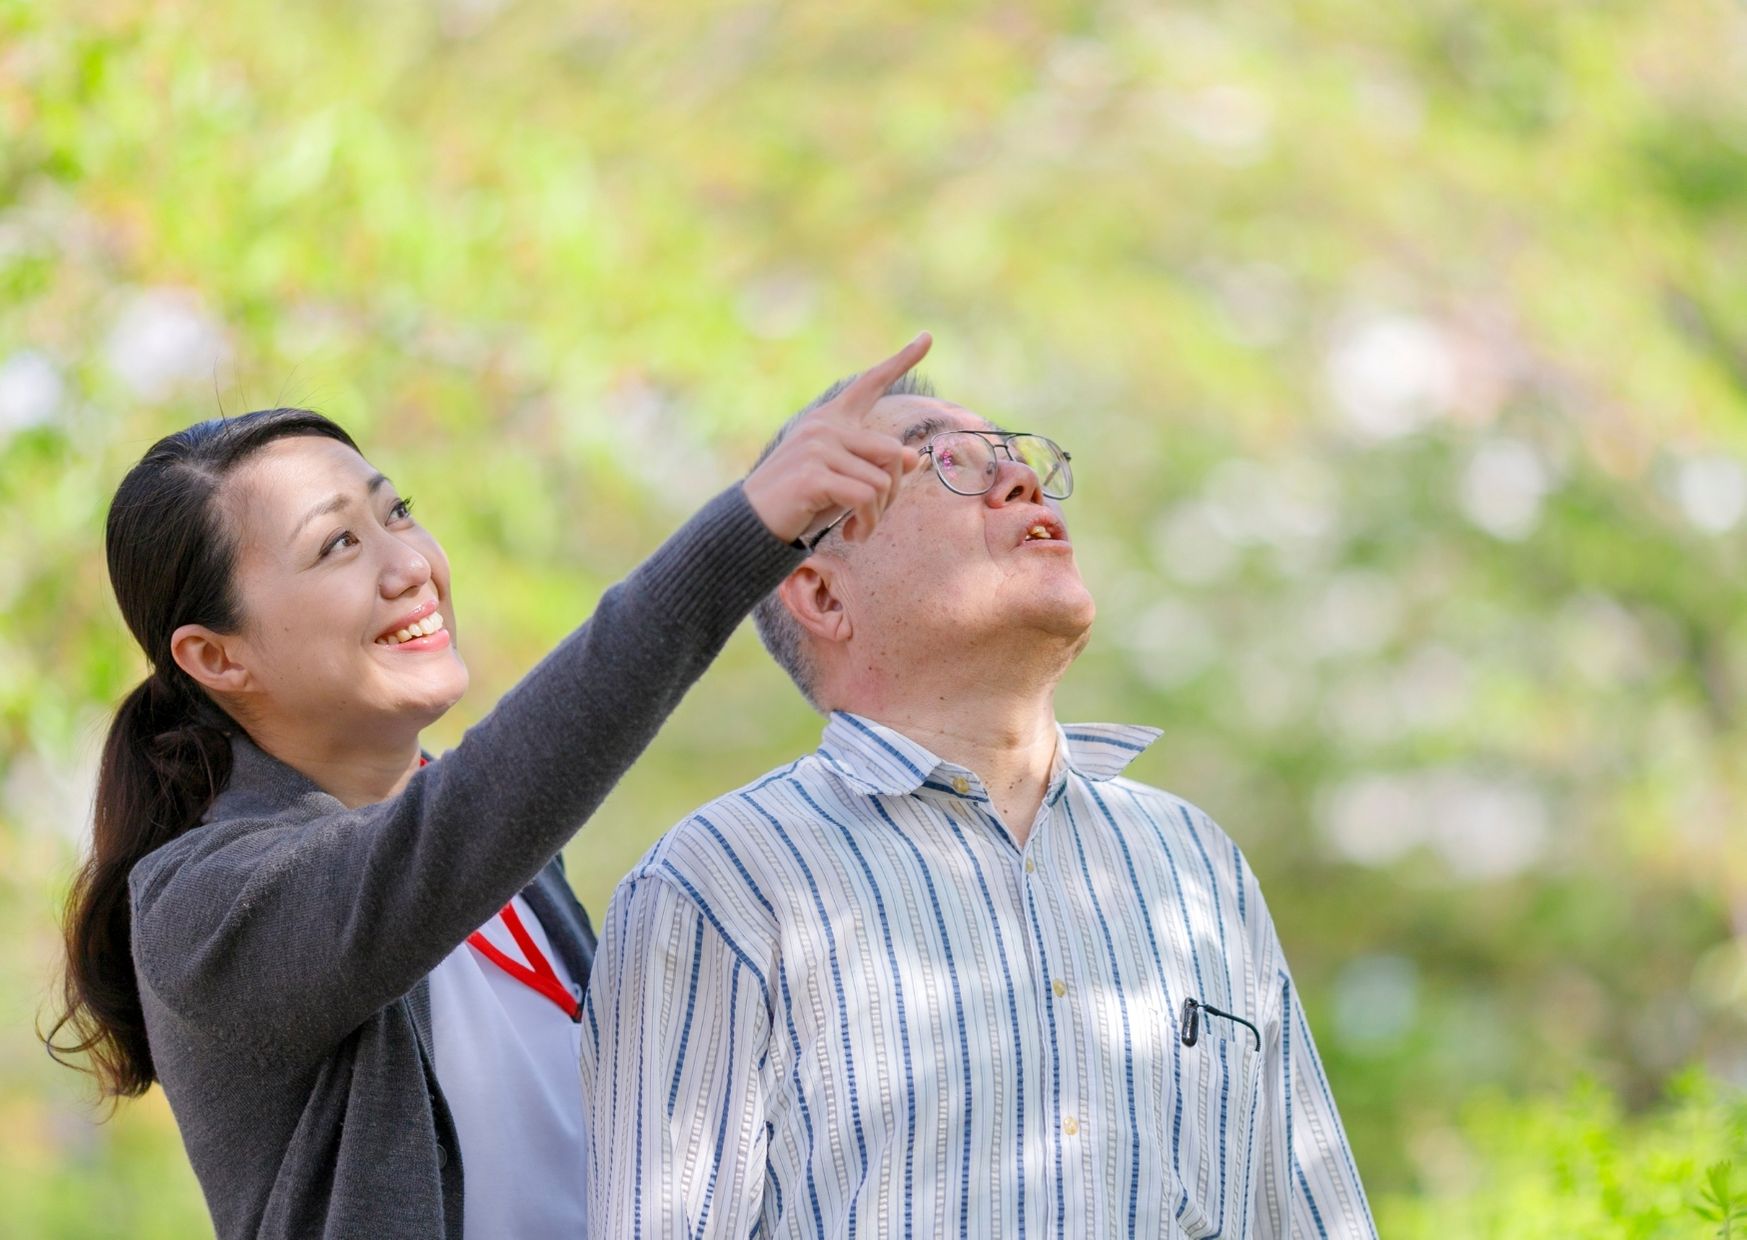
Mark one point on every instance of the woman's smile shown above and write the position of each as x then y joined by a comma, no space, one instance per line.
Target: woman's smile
434,637
417,630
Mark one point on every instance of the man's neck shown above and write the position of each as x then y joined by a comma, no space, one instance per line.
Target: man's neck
1008,739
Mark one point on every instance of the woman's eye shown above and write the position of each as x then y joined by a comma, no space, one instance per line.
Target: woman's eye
338,539
402,510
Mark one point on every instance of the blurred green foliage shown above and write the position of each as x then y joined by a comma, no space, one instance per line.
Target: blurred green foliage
1403,354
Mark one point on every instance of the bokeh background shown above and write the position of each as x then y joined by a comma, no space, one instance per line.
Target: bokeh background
1402,350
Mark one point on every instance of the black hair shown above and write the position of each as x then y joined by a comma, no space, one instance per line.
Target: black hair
172,561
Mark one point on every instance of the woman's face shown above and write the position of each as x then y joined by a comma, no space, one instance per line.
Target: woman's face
331,568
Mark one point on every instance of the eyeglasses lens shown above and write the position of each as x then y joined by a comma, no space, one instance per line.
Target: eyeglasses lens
1047,462
965,462
968,462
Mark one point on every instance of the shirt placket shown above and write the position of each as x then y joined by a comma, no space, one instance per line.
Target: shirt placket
1060,1015
1042,990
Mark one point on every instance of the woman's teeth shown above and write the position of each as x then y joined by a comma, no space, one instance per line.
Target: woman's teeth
424,628
1039,530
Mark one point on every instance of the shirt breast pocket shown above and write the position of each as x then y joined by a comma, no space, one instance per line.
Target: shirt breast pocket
1217,1142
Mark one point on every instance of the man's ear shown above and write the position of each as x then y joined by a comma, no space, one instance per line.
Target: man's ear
809,594
206,657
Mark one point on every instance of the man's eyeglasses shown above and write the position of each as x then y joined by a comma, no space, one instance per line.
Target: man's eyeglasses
967,463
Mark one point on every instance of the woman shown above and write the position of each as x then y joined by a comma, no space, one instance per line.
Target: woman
355,974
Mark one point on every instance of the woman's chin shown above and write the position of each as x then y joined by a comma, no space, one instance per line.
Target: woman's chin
433,699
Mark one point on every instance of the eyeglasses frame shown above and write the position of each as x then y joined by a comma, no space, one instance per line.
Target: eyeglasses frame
1000,440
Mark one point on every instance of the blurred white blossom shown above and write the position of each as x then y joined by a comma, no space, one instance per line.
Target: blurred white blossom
1390,375
31,390
51,794
1372,819
1190,543
1602,642
1503,487
1431,688
1481,827
1361,709
1712,491
1355,613
1274,686
163,337
1288,505
1171,643
1233,122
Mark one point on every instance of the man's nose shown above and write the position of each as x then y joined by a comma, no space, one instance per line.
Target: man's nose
1015,483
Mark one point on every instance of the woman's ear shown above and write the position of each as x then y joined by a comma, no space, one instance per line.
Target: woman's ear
809,595
207,658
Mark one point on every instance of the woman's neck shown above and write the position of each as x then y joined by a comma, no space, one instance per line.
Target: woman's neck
353,774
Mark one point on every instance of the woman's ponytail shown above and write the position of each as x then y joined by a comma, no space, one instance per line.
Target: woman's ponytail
167,755
163,762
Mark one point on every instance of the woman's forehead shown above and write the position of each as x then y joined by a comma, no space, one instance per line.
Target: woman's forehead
274,495
287,470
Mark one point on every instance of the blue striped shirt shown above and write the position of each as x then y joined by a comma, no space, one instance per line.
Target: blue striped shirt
842,1001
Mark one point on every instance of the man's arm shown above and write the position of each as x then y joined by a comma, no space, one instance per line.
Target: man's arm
1307,1182
673,1072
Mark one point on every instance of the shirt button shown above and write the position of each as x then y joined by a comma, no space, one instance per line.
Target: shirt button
1070,1126
1030,866
1061,988
442,1155
960,784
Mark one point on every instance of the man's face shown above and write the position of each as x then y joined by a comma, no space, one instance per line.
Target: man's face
950,570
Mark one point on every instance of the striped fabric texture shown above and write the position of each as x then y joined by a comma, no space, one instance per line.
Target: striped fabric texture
842,1002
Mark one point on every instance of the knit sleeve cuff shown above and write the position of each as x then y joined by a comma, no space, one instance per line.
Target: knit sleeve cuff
718,565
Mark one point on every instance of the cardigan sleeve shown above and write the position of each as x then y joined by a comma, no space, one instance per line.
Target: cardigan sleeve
287,929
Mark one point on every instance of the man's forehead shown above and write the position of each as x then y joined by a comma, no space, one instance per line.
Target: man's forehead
915,418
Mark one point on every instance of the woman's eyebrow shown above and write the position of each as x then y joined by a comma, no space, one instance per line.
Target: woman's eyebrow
334,505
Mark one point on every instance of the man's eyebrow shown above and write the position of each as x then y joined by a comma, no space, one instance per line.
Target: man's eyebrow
928,427
334,505
923,429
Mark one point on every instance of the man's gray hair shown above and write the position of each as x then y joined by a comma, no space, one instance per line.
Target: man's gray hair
777,627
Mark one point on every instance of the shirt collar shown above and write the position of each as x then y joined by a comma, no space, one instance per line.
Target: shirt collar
885,762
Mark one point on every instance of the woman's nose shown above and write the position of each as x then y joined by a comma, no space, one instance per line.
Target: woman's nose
406,569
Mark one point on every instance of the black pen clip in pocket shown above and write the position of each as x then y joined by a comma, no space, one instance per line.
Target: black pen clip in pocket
1191,1021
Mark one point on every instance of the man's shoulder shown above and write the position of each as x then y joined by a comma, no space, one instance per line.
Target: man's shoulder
1174,816
730,842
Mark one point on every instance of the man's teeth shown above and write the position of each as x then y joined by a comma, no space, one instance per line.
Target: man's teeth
424,628
1039,530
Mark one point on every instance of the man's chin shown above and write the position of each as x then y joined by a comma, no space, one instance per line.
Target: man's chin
1068,613
1066,620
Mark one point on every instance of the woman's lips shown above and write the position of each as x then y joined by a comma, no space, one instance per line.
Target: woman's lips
436,641
428,624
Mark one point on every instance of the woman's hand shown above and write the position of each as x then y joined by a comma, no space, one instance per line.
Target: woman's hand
831,462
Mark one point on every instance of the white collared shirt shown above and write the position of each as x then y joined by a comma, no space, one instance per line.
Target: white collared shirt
506,1060
842,1000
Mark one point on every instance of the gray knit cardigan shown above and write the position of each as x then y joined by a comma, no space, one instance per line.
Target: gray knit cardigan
282,945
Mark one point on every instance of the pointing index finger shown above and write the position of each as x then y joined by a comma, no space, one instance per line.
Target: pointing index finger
861,395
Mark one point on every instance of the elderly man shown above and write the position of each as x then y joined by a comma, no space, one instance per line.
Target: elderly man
952,974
